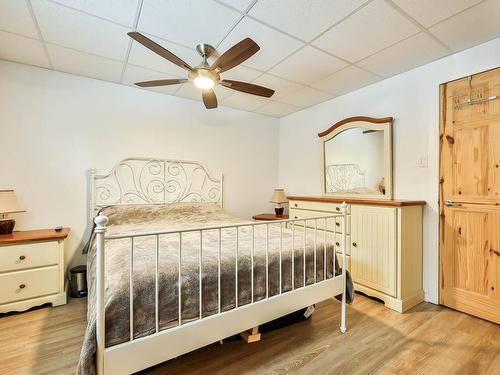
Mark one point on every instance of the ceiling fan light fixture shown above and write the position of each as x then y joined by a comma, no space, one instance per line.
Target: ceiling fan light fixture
203,82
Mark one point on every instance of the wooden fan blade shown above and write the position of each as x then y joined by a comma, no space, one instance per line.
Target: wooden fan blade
209,98
156,48
236,55
247,87
161,82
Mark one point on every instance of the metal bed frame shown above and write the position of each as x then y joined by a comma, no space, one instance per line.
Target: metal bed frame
153,181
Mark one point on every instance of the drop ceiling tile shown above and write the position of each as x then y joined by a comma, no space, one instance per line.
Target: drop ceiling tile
308,65
142,56
274,45
73,29
474,26
23,50
430,12
372,28
119,11
241,73
190,91
75,62
241,5
306,97
16,18
410,53
280,86
135,74
187,22
345,80
245,102
277,109
304,19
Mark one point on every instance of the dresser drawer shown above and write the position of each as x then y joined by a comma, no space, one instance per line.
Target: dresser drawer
27,284
332,224
318,206
28,255
338,238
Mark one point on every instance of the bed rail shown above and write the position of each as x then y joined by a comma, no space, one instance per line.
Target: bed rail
308,226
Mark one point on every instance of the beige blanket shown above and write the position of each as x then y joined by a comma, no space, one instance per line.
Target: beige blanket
133,219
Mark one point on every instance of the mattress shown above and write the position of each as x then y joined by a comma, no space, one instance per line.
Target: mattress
133,219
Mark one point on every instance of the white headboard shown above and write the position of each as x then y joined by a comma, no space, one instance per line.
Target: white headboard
143,180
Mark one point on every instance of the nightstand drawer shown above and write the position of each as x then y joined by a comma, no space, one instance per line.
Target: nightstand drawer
28,255
22,285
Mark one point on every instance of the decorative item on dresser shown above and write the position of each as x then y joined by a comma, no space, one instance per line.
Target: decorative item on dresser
279,198
8,205
384,245
32,269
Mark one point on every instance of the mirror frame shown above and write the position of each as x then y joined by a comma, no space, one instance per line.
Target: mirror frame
370,123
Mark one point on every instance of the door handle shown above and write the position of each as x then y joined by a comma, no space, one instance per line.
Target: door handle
450,203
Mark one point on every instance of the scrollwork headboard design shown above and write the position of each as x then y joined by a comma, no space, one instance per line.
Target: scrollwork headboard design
154,181
341,177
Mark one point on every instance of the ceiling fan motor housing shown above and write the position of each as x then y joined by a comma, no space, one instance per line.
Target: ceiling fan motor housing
205,50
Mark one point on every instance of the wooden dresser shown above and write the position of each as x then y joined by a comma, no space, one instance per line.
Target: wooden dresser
32,269
384,252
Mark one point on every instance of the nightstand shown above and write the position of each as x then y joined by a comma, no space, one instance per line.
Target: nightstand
32,269
269,217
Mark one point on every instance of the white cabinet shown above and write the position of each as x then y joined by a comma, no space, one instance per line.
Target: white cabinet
385,238
32,269
373,248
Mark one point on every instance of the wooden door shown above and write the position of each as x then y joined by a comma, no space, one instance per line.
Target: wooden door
373,247
470,195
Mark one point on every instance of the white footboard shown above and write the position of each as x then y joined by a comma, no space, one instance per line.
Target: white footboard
140,353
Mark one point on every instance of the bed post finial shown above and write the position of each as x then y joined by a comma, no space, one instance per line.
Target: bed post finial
100,221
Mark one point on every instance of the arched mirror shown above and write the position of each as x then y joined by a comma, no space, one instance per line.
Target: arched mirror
357,158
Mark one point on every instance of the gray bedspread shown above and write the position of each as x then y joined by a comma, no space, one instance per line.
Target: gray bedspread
133,219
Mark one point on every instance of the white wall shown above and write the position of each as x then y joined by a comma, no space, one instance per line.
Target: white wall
412,98
56,126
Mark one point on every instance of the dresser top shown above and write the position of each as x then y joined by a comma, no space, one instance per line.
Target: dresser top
33,236
373,202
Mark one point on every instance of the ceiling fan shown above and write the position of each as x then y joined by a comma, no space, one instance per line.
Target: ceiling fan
206,76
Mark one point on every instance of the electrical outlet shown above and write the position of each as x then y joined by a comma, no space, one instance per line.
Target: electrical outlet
422,162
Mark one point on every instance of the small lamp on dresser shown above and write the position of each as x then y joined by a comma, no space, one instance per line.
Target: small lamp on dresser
279,198
8,205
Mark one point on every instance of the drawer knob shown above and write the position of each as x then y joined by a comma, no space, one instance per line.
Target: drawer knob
354,244
337,224
336,243
295,217
22,286
337,208
22,257
295,204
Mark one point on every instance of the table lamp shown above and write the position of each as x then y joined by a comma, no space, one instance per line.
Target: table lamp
8,205
279,198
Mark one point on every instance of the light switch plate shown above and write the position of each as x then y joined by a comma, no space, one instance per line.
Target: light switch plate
422,162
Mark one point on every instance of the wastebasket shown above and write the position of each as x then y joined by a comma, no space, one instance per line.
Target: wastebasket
78,281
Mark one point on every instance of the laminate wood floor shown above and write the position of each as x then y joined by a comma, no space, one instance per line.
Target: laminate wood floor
428,339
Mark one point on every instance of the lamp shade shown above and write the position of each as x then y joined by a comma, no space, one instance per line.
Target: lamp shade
279,196
9,203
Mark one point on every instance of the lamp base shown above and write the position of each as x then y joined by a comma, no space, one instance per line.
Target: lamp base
7,226
279,211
